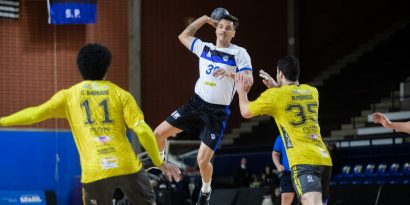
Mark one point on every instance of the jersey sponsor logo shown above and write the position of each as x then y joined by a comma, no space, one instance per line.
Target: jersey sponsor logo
209,54
213,136
210,83
323,152
309,178
300,91
95,86
109,162
288,142
103,139
175,115
225,58
105,150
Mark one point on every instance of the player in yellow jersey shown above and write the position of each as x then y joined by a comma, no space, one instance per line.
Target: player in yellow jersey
99,112
295,109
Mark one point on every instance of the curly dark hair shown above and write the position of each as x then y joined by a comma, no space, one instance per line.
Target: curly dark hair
93,61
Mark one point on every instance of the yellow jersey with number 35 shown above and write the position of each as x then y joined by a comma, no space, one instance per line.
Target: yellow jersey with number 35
295,109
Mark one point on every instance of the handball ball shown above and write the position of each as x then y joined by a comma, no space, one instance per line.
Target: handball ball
218,13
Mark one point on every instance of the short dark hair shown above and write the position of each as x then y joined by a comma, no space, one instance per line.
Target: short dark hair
93,61
231,18
289,66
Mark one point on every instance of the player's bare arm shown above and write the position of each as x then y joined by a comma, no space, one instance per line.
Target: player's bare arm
243,84
188,35
398,126
276,161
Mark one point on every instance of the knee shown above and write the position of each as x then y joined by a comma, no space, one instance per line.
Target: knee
202,162
159,133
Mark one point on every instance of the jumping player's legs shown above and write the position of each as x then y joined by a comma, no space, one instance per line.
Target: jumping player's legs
204,162
162,132
204,156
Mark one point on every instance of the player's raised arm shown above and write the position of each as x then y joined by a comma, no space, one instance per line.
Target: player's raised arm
243,83
187,36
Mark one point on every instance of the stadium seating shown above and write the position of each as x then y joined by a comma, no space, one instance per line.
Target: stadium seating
384,174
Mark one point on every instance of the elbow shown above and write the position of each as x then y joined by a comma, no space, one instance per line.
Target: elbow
246,114
181,37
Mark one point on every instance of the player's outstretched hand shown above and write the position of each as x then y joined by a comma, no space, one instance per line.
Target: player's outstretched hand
381,118
243,83
170,171
267,79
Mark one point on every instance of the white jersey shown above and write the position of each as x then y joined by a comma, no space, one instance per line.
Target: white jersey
233,59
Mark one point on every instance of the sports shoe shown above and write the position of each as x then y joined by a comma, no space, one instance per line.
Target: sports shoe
203,198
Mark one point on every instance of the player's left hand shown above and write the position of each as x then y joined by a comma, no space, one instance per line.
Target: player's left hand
243,82
170,171
223,73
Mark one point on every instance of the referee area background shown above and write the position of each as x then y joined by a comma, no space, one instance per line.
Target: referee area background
355,52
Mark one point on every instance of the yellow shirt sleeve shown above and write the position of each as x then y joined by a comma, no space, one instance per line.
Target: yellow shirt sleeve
135,121
53,108
264,104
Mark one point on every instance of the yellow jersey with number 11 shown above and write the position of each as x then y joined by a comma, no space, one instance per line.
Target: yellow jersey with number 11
99,113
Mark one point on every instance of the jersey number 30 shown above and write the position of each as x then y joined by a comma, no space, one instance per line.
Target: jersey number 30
89,119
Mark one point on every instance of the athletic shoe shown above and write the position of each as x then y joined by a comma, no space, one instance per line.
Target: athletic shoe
203,198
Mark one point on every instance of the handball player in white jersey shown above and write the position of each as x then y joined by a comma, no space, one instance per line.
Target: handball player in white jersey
208,109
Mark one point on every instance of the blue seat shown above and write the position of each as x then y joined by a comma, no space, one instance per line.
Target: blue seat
346,171
370,174
382,169
370,170
406,169
358,170
344,176
358,174
381,173
394,174
405,172
394,169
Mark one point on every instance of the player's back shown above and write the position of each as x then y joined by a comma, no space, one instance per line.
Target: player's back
297,118
98,113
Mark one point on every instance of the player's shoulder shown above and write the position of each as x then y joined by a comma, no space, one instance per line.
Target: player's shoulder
309,87
238,48
210,45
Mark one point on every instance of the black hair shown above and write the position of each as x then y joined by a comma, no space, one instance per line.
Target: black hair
289,66
93,61
234,20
